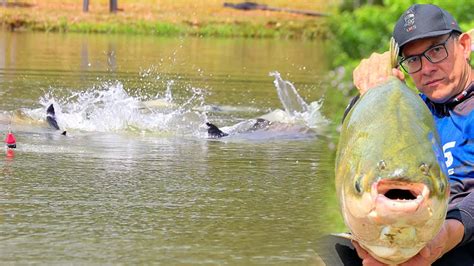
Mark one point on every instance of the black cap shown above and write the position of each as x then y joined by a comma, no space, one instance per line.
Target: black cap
423,21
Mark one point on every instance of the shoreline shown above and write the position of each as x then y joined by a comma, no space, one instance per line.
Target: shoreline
171,18
306,31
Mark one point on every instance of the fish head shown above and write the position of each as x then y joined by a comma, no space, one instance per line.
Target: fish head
394,201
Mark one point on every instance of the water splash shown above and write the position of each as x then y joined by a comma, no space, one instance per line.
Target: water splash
297,111
297,119
110,108
289,97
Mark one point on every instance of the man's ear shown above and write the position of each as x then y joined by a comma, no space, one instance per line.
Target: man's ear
466,41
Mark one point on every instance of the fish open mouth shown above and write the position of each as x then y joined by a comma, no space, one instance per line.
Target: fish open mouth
399,190
399,196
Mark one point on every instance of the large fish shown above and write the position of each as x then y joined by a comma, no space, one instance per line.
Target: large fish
390,178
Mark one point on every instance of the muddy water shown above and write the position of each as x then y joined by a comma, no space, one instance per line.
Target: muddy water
128,186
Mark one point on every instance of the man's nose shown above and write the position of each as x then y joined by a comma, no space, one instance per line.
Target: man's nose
426,66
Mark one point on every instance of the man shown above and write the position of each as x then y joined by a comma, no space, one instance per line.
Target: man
435,53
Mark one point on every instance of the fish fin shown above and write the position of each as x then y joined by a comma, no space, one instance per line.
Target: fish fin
394,50
64,133
50,110
344,235
52,122
214,132
349,107
51,117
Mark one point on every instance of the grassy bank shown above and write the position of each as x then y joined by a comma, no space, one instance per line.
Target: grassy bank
165,18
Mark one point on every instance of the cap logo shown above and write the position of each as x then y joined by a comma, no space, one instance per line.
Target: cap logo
409,21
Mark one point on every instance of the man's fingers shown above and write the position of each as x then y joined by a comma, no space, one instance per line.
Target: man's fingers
379,69
425,252
417,260
360,251
367,259
398,74
372,72
359,76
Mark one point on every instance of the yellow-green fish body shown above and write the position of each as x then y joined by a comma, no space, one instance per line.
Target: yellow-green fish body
391,189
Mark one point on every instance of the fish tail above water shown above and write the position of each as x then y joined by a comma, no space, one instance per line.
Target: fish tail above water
51,118
214,132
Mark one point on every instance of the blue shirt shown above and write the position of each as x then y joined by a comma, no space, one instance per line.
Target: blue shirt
455,126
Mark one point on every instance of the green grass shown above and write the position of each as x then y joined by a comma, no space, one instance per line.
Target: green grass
212,29
167,18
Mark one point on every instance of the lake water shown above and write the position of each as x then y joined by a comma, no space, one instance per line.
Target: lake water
136,178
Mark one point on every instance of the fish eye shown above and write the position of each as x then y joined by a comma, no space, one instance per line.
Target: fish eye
357,185
442,186
382,165
424,168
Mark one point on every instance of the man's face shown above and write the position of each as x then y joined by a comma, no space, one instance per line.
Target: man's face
443,80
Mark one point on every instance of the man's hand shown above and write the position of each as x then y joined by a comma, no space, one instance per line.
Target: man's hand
367,259
374,71
449,236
